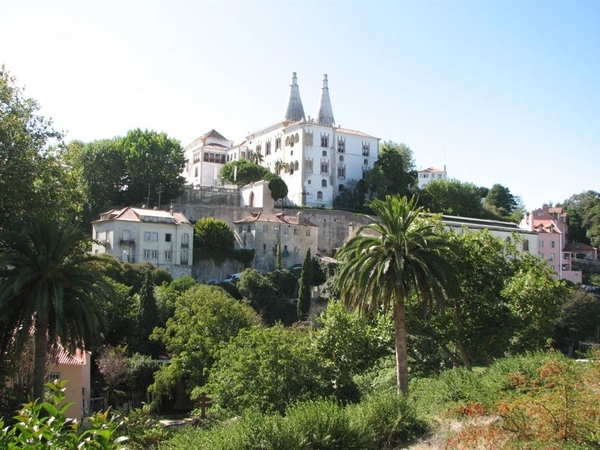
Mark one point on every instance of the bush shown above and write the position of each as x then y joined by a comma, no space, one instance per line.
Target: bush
385,420
44,425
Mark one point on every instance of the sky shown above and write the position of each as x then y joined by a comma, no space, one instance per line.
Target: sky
501,91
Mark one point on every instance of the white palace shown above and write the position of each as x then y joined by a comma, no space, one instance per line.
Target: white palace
315,157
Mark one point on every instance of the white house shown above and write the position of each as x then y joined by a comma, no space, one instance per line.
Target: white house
314,156
430,174
162,238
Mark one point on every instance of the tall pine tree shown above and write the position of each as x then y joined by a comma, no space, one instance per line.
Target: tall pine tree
147,317
304,289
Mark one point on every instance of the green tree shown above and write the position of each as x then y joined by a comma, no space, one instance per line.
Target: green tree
352,196
205,318
399,253
304,290
140,375
31,176
584,217
246,172
147,317
393,173
535,299
51,283
268,369
500,201
454,198
277,186
260,292
579,321
153,164
351,343
213,237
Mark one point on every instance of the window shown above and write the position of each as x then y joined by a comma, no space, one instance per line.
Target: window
319,195
286,231
552,256
342,172
308,231
277,143
552,244
268,148
324,153
150,236
185,240
196,172
324,140
324,168
53,376
264,248
184,257
341,158
258,148
309,182
295,231
341,145
265,228
541,244
168,237
150,254
168,255
126,235
323,183
525,245
249,228
241,228
366,148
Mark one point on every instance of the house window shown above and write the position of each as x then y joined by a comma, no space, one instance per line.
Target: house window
541,244
249,228
126,235
184,257
552,244
150,254
268,148
295,231
150,236
168,237
265,228
341,145
324,140
324,168
277,143
258,148
309,182
241,228
185,240
341,158
526,245
286,231
552,256
264,248
319,195
323,183
168,255
53,377
324,153
308,231
366,148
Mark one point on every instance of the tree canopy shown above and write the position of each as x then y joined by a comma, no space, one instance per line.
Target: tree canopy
247,172
453,197
393,173
31,176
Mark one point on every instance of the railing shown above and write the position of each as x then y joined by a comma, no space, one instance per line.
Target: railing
127,241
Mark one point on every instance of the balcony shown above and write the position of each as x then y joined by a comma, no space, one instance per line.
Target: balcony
130,242
185,245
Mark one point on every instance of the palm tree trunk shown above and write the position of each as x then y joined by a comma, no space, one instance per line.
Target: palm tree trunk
401,353
39,365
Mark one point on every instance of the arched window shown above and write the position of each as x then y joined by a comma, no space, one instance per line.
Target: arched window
319,195
185,240
323,183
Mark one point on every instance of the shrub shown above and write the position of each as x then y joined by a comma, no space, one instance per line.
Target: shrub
44,425
385,420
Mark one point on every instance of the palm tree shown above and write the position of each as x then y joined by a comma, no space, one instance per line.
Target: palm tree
398,254
279,166
49,286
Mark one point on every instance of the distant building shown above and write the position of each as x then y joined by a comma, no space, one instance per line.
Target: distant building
75,368
137,235
579,250
430,174
265,231
314,156
552,227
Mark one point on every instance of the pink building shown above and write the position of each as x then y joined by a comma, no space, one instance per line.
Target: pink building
552,228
